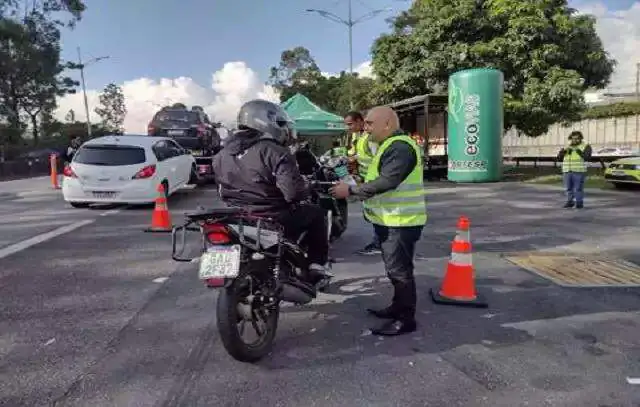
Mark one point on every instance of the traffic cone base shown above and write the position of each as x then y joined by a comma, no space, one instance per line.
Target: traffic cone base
478,302
161,218
458,286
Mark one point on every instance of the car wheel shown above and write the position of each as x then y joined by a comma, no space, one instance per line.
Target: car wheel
79,204
620,185
194,178
165,184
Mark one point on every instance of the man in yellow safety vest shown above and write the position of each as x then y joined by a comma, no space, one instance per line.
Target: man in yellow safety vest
362,149
575,160
393,195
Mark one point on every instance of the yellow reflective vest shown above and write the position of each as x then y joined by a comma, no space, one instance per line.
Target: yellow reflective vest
572,162
364,154
403,206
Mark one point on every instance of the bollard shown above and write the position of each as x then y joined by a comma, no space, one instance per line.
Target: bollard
53,163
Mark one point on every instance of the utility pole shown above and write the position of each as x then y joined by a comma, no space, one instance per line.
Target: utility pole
84,86
350,22
638,82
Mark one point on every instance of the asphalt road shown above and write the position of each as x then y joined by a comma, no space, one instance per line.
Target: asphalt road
98,315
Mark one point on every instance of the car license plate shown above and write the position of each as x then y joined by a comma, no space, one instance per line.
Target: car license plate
103,194
203,169
196,152
220,262
619,173
175,132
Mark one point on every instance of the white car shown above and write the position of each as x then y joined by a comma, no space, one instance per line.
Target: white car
126,169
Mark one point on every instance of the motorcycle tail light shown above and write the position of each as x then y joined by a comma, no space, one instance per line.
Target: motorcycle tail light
215,282
216,233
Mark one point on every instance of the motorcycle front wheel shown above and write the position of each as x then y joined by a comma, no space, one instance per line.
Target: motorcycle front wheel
339,226
238,311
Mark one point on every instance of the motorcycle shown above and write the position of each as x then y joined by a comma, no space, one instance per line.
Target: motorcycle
254,267
322,173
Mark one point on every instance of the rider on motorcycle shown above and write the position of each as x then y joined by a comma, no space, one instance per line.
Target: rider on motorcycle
257,171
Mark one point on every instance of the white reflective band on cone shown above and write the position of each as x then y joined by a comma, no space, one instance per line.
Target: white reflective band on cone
463,235
462,259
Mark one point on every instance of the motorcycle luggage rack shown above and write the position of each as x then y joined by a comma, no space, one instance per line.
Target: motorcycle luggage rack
240,219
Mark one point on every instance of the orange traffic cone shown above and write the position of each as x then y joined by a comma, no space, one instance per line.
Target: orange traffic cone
458,287
53,165
161,218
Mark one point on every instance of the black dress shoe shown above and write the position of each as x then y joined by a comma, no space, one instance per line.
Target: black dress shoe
384,313
395,327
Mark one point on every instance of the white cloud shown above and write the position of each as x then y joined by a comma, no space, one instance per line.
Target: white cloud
230,87
620,34
364,70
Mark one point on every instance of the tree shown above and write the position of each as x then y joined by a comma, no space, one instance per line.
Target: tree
112,108
548,53
298,72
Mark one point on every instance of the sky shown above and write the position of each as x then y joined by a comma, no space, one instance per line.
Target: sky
217,53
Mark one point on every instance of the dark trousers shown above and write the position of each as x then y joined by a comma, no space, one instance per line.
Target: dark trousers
309,218
398,248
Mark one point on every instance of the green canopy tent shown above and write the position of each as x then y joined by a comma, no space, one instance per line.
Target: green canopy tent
311,119
314,124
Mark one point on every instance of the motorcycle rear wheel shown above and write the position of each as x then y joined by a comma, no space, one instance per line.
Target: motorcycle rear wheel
230,303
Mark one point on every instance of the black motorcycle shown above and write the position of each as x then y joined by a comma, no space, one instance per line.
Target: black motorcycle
322,173
255,267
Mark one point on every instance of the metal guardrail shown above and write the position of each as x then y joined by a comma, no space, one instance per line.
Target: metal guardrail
602,160
27,168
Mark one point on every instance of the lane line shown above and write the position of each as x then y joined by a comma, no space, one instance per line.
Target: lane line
25,244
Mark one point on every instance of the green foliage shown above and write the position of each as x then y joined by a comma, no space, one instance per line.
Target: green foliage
549,55
31,72
297,72
621,109
112,108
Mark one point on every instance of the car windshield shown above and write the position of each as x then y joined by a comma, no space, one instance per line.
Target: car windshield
110,155
169,117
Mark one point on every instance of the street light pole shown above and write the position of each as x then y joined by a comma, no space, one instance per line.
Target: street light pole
84,86
350,22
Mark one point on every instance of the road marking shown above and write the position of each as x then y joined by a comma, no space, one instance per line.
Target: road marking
110,212
25,244
633,380
160,280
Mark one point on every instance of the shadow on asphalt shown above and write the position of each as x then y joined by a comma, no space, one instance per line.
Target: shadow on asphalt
340,332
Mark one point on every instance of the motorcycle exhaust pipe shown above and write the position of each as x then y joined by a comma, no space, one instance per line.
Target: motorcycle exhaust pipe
296,293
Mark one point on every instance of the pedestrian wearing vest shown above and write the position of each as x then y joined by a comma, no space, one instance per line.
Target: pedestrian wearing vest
362,150
575,159
393,195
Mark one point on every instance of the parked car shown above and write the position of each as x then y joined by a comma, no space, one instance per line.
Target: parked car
613,151
126,169
193,130
623,172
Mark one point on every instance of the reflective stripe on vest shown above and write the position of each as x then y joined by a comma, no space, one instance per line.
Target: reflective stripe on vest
403,206
364,155
572,162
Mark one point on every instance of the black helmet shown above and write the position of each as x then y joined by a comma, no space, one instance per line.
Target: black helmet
268,118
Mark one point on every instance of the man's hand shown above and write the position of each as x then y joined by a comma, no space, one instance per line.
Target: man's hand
341,190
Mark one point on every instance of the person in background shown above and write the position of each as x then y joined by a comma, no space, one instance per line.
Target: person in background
362,149
393,194
575,160
74,145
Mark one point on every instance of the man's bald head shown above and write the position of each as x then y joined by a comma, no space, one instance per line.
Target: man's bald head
381,122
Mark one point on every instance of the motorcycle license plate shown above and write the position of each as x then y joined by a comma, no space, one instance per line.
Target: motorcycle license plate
220,262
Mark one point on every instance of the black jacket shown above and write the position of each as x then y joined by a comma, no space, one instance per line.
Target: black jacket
258,174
